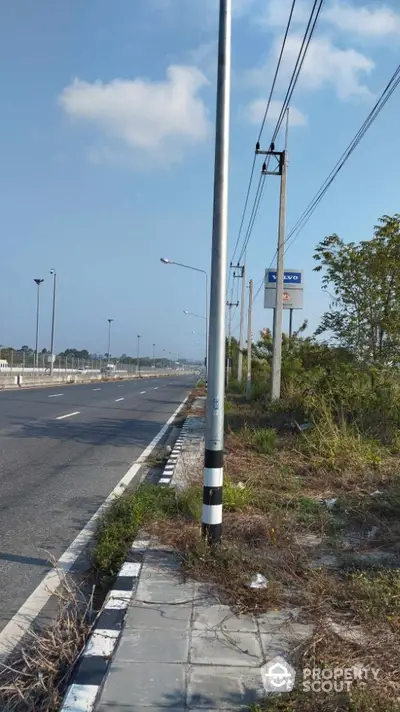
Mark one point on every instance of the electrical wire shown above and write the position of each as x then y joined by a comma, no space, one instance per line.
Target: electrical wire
312,206
262,128
277,70
373,114
256,205
308,34
299,63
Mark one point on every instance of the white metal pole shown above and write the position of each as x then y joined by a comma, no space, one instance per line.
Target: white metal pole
214,436
53,319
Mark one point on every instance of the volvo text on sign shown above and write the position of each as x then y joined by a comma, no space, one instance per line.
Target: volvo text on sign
293,289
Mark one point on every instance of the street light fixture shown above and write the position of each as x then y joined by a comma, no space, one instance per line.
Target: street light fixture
199,316
38,282
110,321
167,261
53,319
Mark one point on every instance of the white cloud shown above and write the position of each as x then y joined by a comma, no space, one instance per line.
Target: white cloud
254,113
275,14
375,22
326,64
159,119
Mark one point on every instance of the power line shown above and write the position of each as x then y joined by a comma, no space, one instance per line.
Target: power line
299,63
256,205
309,31
262,127
312,206
373,114
277,70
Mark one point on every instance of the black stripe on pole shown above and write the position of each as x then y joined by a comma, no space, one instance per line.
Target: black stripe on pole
212,532
213,458
212,495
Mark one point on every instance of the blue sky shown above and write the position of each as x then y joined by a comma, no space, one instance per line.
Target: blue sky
106,138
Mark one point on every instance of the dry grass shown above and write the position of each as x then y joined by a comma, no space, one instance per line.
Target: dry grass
329,562
36,676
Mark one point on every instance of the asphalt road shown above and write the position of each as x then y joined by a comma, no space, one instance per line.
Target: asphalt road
56,471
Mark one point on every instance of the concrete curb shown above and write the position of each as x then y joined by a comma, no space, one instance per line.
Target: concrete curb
92,668
169,468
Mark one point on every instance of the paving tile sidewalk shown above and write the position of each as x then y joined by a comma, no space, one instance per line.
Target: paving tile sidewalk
181,649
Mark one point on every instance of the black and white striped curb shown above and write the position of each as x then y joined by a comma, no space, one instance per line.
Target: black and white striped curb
92,669
169,468
93,665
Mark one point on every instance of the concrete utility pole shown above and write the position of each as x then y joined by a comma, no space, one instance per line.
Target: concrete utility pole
280,156
242,276
53,320
229,350
249,335
38,282
214,437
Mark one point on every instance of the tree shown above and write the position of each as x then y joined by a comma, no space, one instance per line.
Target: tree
363,280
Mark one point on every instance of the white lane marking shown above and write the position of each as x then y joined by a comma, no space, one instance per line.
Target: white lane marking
141,392
68,415
19,624
156,388
96,389
55,395
119,399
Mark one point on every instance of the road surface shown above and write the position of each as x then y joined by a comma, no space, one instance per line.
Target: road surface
62,451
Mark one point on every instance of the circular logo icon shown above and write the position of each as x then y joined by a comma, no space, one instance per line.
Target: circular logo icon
286,297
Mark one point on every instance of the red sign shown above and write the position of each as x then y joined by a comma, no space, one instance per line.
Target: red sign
286,297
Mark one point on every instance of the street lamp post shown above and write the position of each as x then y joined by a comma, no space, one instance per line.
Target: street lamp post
166,261
38,282
53,319
109,340
138,356
154,355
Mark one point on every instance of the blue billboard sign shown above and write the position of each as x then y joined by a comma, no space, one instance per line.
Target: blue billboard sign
289,277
